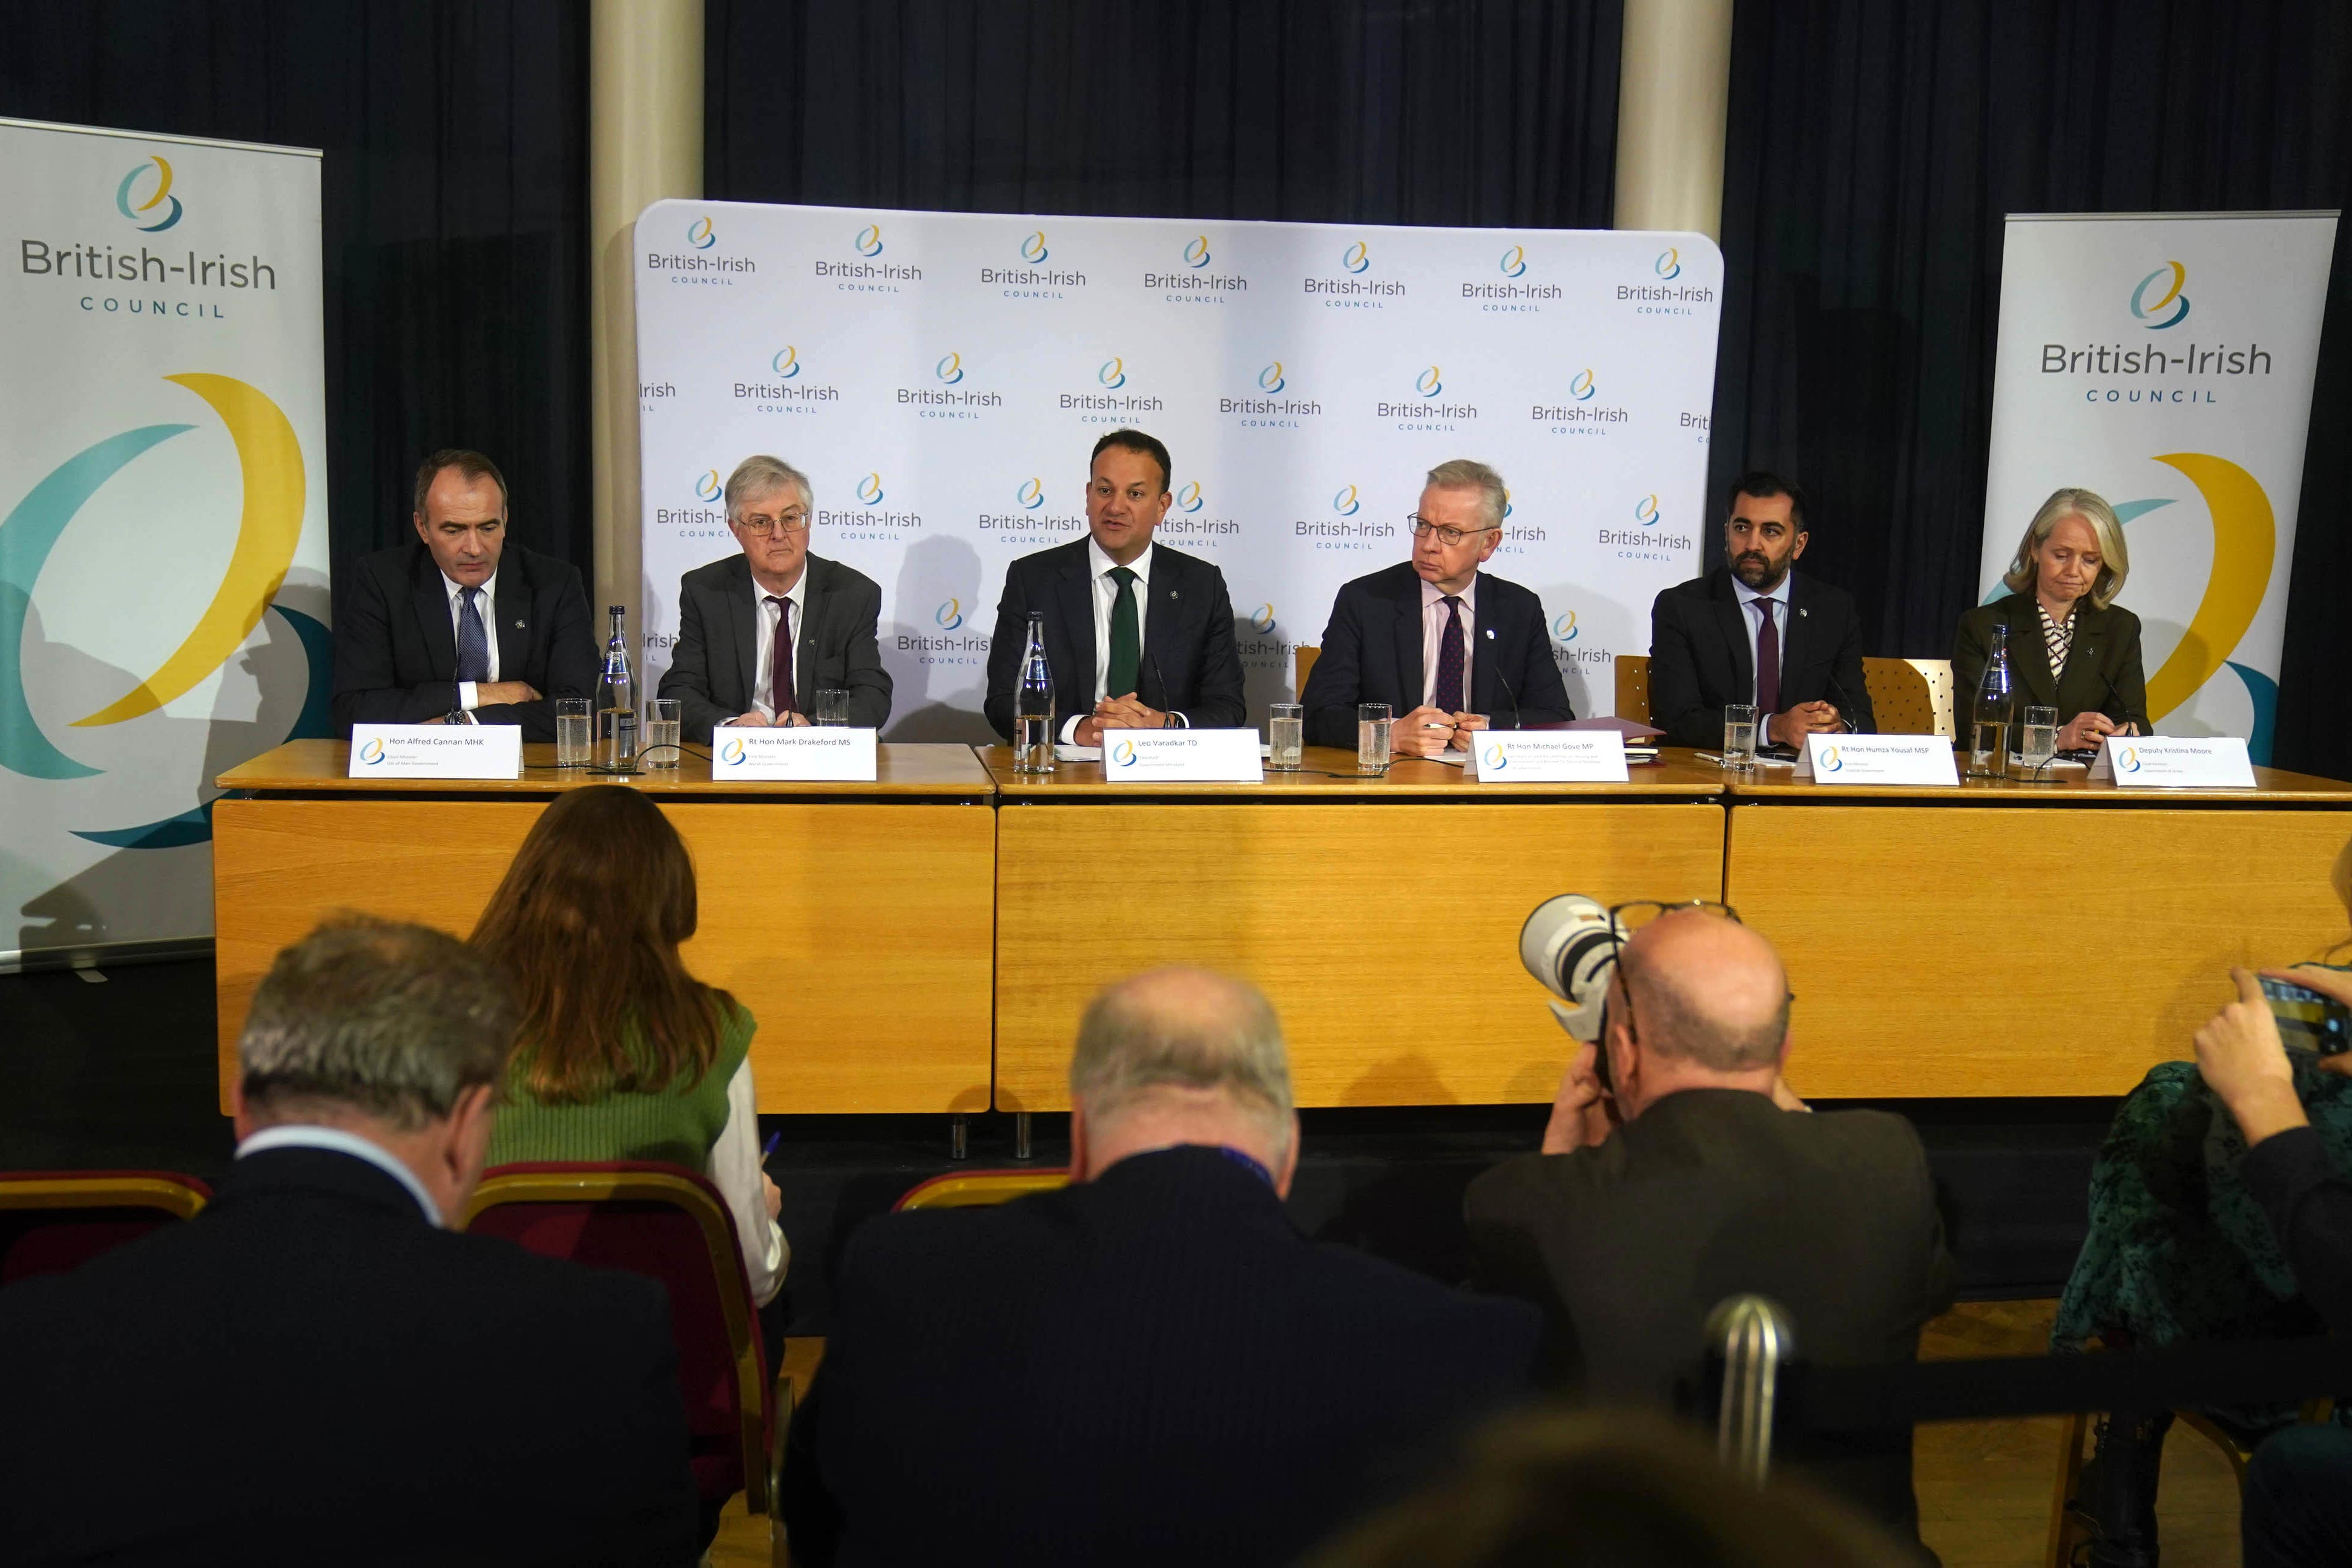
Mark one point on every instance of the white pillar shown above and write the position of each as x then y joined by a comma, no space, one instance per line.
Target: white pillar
644,143
1673,87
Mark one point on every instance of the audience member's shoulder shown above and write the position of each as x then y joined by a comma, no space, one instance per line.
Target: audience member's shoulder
1513,1186
1879,1134
949,1241
511,1282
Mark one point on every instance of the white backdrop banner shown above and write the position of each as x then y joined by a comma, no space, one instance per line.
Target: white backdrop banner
2166,362
162,514
943,377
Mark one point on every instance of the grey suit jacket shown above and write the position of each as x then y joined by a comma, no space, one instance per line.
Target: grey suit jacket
710,668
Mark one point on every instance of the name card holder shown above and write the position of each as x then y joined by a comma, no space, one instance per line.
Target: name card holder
1183,756
2174,762
1878,760
1548,756
436,752
803,754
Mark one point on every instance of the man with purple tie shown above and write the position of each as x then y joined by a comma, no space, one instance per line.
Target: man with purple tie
1754,631
1451,649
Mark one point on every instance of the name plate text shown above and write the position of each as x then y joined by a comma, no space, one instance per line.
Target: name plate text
1878,760
2173,761
436,752
1181,756
1548,756
804,752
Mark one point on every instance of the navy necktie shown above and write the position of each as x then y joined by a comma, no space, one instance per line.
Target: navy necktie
1446,697
473,644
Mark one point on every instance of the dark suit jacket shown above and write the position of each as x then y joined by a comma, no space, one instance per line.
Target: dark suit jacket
1192,663
1170,1374
2103,668
396,653
309,1372
1371,653
1708,1193
710,668
1700,661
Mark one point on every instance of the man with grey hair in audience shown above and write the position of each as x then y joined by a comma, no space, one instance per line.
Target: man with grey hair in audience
317,1367
1450,649
761,632
1679,1168
1152,1365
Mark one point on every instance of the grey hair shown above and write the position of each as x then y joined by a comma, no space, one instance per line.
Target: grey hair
2114,560
392,1020
1131,1044
1464,473
1673,1023
757,475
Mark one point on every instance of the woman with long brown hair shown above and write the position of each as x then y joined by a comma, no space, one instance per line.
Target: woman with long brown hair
622,1054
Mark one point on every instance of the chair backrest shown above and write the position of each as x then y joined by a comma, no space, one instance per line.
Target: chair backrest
1301,662
53,1222
1910,696
971,1189
1633,687
671,1224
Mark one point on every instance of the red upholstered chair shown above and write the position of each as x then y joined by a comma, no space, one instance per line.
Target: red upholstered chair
52,1222
670,1223
974,1189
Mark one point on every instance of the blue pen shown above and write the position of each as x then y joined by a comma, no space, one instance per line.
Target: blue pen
770,1146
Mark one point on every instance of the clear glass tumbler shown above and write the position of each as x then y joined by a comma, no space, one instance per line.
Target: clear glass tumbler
2041,744
832,710
1739,738
663,719
571,731
1372,721
1286,737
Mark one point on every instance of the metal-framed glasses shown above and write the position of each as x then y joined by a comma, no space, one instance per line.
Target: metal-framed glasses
1421,527
794,521
1626,918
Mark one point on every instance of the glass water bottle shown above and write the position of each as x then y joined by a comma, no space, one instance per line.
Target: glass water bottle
1996,702
616,705
1032,704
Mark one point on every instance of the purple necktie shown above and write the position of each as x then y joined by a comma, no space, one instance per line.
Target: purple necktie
1447,697
780,661
1768,660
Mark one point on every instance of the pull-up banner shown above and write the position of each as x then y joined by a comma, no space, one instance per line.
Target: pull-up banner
943,377
162,515
2165,362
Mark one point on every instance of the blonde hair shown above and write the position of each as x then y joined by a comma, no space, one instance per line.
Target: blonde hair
2114,560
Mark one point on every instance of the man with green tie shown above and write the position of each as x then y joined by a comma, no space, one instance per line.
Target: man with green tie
1140,636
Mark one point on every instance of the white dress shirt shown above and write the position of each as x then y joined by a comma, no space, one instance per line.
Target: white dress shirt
1778,599
764,618
1105,596
1432,637
735,1171
337,1141
487,607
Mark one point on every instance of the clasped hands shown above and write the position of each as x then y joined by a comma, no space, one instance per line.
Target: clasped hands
1791,728
1118,714
1425,731
755,720
2086,730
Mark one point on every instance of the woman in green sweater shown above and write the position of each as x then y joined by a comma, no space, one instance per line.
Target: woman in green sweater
622,1054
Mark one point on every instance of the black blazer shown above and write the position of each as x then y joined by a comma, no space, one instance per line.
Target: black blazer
309,1372
1192,663
1171,1374
1708,1193
1371,653
711,666
1700,664
2103,668
396,654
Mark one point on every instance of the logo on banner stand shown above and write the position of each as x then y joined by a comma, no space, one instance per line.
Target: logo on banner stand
1645,510
950,369
1032,250
1189,498
1262,619
1584,386
949,615
1345,503
869,490
1113,373
2144,310
1427,383
1669,264
1356,258
1563,626
707,487
700,235
162,195
787,362
1196,255
1031,495
1515,262
868,242
1270,379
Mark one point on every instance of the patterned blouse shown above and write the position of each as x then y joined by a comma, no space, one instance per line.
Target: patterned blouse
2057,639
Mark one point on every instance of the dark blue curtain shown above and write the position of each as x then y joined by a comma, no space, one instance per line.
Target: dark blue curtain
456,199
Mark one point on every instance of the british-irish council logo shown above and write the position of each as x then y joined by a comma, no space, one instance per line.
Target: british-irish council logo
1262,619
1270,378
1507,501
731,754
2127,759
1493,761
1345,503
1515,262
706,486
1831,762
1563,626
1427,383
372,753
1669,264
161,204
869,240
1645,510
1031,495
1189,498
787,362
1197,253
2171,275
700,235
949,615
869,490
1582,388
1356,258
1113,374
1032,250
1123,754
950,369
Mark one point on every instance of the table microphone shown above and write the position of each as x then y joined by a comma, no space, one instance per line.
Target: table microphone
1157,676
1503,678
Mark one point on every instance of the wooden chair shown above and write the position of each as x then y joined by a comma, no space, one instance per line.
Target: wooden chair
1633,687
1301,662
974,1189
2069,1529
1910,696
52,1222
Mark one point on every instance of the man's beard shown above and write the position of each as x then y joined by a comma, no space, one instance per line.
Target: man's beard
1756,571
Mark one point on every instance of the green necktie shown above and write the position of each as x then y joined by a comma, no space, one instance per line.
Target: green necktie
1126,644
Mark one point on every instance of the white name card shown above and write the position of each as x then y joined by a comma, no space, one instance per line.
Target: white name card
1548,756
2167,762
1878,760
437,750
803,752
1183,756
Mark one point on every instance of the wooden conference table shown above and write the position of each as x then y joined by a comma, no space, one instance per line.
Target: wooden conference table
1993,939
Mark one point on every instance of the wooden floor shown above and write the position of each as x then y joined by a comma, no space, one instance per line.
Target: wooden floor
1984,1486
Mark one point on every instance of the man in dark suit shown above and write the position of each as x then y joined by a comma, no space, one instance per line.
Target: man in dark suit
461,621
1448,648
313,1369
731,666
1169,1373
1754,631
1138,636
1692,1174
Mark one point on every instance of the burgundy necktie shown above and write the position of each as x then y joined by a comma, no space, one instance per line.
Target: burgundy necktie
1447,697
780,662
1768,660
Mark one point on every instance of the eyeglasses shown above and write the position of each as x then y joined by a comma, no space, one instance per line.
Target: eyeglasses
1626,918
761,527
1422,527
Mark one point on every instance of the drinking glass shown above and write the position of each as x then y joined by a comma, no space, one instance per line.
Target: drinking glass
832,710
1739,738
2041,748
663,715
1372,719
571,731
1286,734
